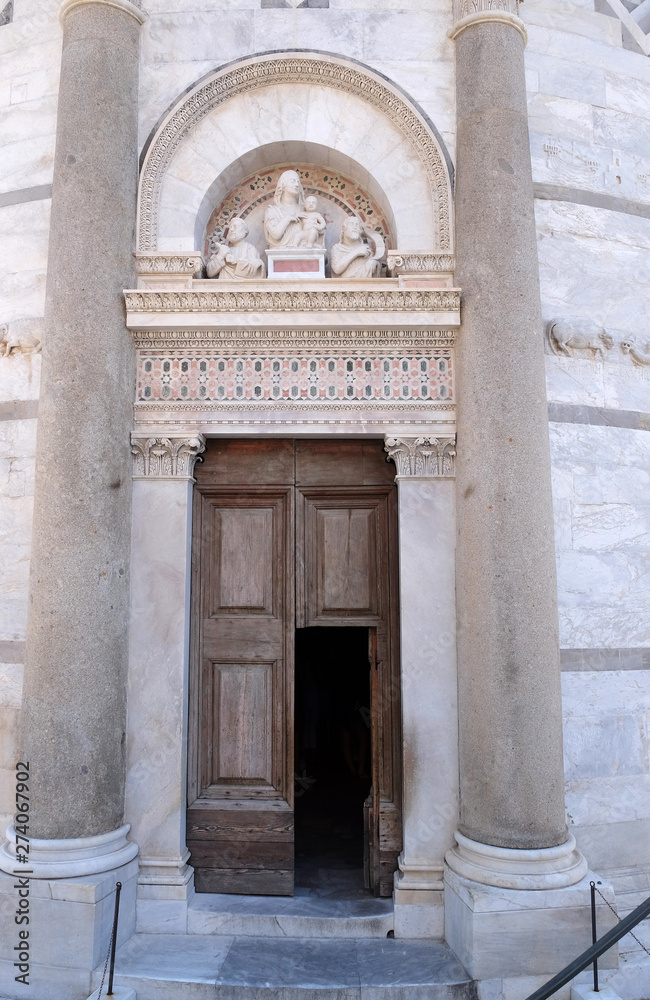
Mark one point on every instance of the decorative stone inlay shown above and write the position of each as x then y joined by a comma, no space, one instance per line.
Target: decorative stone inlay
315,378
422,457
416,263
168,263
165,458
198,301
301,339
308,69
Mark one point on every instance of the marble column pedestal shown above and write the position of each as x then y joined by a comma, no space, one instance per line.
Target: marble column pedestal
70,924
426,512
156,778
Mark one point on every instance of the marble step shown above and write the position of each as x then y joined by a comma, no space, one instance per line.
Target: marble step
297,916
203,967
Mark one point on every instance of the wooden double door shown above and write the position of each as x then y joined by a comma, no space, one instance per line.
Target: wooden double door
287,534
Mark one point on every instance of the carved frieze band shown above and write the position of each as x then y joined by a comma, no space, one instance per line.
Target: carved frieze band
290,69
422,457
168,263
419,263
199,301
256,338
165,458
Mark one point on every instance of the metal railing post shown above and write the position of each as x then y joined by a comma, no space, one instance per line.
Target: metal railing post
594,935
118,890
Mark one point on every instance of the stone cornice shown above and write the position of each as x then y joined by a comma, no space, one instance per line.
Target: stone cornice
165,457
213,307
279,300
128,8
422,457
303,340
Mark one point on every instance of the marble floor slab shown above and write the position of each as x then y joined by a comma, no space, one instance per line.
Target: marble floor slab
164,967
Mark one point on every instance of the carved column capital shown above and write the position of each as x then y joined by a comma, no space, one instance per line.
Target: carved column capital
422,457
129,8
468,12
165,458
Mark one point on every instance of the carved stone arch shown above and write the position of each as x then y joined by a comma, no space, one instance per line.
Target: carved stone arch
296,97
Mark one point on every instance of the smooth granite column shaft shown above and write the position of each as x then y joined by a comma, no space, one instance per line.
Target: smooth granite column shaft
511,771
75,671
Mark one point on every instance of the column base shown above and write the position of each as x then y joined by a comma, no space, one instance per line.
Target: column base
70,858
166,878
70,924
509,868
418,901
502,933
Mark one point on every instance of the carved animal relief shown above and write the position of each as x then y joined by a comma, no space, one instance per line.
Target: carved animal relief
576,337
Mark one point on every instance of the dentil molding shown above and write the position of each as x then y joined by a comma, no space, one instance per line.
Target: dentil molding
164,457
256,338
422,457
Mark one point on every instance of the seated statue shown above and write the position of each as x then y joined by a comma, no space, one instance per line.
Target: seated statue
236,260
313,225
352,257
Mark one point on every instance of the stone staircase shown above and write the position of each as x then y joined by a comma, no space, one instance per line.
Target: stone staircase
261,948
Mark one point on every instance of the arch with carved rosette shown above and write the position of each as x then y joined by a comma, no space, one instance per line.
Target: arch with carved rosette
422,169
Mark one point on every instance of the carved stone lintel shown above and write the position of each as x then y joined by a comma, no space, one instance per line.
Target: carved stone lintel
422,457
419,263
165,458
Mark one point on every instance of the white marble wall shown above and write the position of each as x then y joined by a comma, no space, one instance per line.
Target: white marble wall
405,41
30,49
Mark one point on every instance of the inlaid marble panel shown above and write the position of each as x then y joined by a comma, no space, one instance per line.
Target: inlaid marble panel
313,376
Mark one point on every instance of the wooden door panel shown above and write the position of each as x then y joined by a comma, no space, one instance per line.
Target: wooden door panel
244,553
246,632
342,558
242,724
347,580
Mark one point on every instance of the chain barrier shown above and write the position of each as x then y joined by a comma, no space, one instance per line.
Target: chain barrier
631,933
108,956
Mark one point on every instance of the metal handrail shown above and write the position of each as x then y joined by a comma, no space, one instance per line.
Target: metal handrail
596,950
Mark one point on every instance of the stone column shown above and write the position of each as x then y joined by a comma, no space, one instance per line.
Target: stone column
512,831
75,671
425,468
156,779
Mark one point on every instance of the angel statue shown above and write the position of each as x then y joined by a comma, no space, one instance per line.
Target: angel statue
236,260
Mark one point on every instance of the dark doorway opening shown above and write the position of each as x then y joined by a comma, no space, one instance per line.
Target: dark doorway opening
332,760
